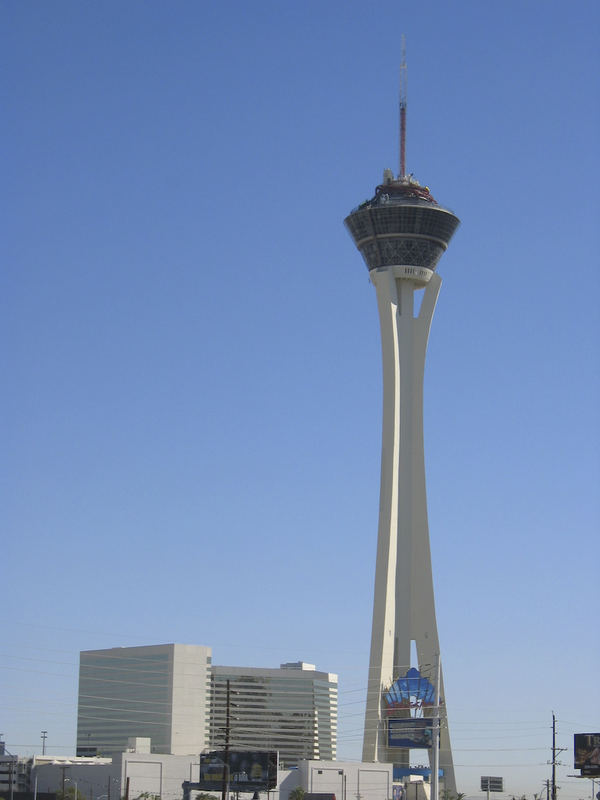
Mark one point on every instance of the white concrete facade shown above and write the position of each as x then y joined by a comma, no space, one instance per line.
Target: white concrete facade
404,609
106,779
162,776
94,777
348,780
157,691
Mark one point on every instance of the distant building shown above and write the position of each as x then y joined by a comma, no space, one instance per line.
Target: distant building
347,780
172,695
14,773
292,709
50,774
160,692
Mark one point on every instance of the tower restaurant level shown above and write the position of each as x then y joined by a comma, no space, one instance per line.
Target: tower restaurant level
401,224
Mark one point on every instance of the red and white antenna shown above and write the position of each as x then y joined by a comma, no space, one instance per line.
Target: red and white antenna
403,111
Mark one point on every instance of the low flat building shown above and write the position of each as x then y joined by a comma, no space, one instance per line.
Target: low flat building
347,780
149,775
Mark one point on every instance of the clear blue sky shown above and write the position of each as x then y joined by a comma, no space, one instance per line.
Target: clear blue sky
192,379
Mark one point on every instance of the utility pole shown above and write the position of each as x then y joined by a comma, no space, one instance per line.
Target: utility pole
555,751
226,754
10,773
553,756
64,778
11,765
44,736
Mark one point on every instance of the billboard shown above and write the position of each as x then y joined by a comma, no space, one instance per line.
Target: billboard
249,771
490,783
415,732
587,753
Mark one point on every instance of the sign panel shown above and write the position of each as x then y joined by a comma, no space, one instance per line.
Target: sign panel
248,771
413,690
415,732
490,783
587,753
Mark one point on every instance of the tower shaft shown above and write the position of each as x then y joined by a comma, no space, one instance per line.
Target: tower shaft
403,609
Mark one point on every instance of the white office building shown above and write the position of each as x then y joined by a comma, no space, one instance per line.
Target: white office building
173,696
160,692
292,709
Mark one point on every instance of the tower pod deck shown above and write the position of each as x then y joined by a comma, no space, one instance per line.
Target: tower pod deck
401,225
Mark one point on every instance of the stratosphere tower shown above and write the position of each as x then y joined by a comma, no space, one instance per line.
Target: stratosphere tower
401,233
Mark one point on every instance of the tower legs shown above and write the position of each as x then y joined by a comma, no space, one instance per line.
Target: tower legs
404,608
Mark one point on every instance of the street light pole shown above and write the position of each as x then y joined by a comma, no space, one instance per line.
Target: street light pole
75,796
10,772
435,759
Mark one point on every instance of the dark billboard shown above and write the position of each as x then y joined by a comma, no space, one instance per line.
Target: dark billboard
249,771
415,732
587,753
490,783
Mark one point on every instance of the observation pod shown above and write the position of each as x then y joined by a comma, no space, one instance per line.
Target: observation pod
402,225
402,233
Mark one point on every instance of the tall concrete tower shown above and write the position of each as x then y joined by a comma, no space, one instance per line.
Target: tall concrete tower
401,233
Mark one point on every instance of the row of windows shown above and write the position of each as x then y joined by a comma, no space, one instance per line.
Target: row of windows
306,680
157,664
414,252
426,221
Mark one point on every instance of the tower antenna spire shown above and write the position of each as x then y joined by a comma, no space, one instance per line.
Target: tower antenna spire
403,111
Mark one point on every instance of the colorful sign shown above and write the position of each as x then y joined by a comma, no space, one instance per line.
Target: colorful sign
410,691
